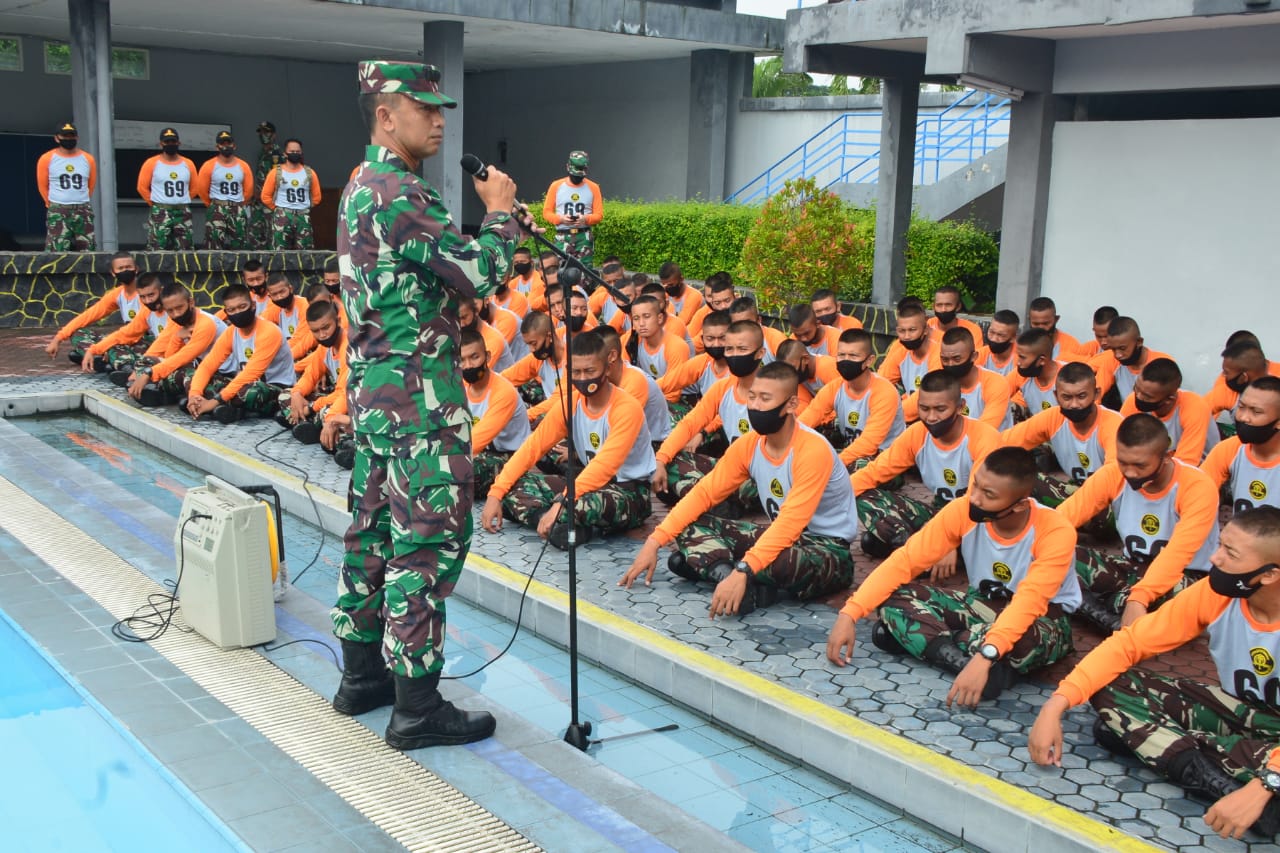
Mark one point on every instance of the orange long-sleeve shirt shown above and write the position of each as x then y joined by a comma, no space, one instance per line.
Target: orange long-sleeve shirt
901,455
516,302
128,334
302,342
1053,554
626,423
882,409
536,298
1105,365
811,467
1040,427
687,374
316,369
42,171
830,335
175,352
550,214
1194,419
268,195
891,367
692,304
269,340
1196,506
503,398
984,357
148,170
704,417
204,180
995,399
675,352
1067,348
1222,399
974,329
695,327
100,310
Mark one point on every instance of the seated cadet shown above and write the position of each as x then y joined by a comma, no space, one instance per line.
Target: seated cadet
580,319
1185,414
1031,386
161,378
319,292
253,275
827,309
719,295
685,301
512,300
696,376
682,459
984,395
1248,463
1121,364
499,423
1042,313
321,385
673,324
650,346
1217,741
744,308
1011,619
508,325
815,370
247,368
1101,324
1166,513
637,383
818,338
612,445
998,352
117,352
122,297
527,281
914,353
469,318
613,274
859,411
944,445
538,374
289,312
1242,362
549,265
1081,434
615,314
946,308
804,548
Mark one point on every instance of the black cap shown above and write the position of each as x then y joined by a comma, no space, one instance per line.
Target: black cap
168,133
222,137
266,125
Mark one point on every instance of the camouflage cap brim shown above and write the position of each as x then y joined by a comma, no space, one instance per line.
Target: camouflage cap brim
418,81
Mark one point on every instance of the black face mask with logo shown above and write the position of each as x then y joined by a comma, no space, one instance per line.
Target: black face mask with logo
1236,586
589,387
472,375
742,366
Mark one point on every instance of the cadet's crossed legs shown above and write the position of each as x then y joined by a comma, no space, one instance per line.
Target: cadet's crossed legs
892,517
612,509
487,463
1110,577
686,469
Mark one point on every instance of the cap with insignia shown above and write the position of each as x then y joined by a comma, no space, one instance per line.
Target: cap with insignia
418,81
578,163
168,134
68,129
266,126
222,137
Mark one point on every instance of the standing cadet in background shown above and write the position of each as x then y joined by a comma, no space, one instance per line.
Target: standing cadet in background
574,205
269,157
291,190
226,185
165,184
404,269
66,177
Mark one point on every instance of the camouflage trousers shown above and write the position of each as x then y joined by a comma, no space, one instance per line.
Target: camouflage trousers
256,398
892,517
532,393
1159,718
487,463
813,567
578,243
1110,577
69,228
612,509
226,226
411,527
1226,429
686,469
291,229
169,228
680,408
80,342
917,613
1051,491
119,357
172,386
259,226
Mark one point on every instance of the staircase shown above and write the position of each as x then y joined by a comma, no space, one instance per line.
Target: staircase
840,153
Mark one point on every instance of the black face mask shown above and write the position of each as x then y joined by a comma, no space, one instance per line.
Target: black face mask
284,304
959,371
1032,372
1137,483
716,353
472,375
828,319
849,369
1076,416
294,157
945,318
1134,357
154,307
1146,405
576,322
1236,586
981,516
624,307
259,293
998,347
227,150
331,341
68,143
186,319
577,179
742,365
334,289
1255,434
170,148
544,352
941,428
589,387
523,269
1238,384
914,345
674,289
126,276
242,319
768,421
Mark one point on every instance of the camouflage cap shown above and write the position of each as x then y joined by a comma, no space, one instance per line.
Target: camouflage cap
68,129
266,126
169,133
223,136
578,163
418,81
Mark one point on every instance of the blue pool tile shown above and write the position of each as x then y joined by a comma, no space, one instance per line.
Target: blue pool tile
774,794
723,810
676,786
826,822
880,839
729,769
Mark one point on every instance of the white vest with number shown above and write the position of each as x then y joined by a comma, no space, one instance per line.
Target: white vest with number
733,414
945,472
517,428
1078,457
988,559
279,371
69,179
1245,656
171,183
590,432
293,188
852,413
227,182
1145,524
1251,484
574,200
837,512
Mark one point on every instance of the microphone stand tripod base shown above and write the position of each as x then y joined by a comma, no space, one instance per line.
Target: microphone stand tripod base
578,735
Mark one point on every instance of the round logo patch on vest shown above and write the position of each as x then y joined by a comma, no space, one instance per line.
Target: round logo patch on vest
949,477
853,418
743,426
1150,524
70,168
594,438
293,182
173,174
775,488
1263,663
1003,573
917,383
133,312
248,352
230,177
1045,404
575,197
1085,462
965,411
1258,490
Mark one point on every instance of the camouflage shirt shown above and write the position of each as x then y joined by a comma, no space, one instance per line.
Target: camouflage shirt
268,158
403,265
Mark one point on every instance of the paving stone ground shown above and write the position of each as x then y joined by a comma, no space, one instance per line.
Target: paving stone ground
786,643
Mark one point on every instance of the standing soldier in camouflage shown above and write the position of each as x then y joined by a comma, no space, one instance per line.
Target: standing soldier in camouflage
405,267
66,177
290,191
269,157
575,205
165,183
226,185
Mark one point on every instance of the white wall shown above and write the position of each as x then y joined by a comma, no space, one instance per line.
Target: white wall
1173,223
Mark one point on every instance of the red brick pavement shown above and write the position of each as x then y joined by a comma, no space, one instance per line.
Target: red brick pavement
22,354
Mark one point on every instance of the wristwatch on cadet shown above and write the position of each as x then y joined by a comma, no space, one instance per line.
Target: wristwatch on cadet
744,567
1270,780
989,652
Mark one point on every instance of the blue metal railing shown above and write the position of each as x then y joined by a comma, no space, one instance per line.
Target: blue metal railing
841,153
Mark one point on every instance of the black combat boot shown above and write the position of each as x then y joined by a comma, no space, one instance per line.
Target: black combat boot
1095,612
423,718
366,681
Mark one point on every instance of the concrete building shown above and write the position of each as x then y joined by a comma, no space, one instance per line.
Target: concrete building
1140,166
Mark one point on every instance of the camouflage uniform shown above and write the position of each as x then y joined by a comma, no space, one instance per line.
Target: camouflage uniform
259,214
812,567
685,470
892,517
69,228
1159,718
169,228
486,465
614,508
403,266
577,243
1110,577
226,226
917,613
257,398
291,229
81,341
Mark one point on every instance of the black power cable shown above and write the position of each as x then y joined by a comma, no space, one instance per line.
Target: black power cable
151,616
315,509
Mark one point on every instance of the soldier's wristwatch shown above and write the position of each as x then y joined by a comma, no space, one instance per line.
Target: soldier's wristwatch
744,567
1270,780
989,652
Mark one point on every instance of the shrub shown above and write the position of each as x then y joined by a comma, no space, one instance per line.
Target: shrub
958,253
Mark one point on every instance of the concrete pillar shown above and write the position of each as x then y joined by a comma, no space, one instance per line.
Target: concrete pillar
708,123
442,47
92,106
1026,198
901,98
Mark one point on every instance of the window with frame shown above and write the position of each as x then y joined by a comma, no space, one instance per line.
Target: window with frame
127,63
10,53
